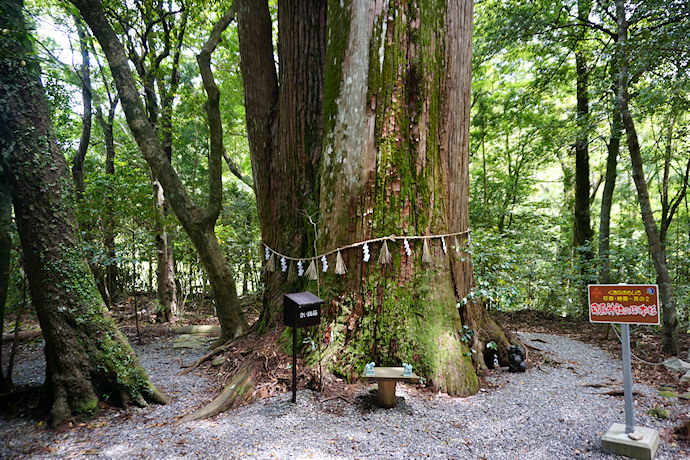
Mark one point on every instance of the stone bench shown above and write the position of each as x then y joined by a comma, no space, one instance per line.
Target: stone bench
387,378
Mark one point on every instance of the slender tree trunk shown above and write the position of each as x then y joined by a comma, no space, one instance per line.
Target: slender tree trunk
111,273
85,352
582,232
395,162
669,205
5,248
607,199
656,250
198,223
85,77
165,267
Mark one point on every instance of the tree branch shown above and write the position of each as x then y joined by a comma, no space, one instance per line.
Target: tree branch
212,105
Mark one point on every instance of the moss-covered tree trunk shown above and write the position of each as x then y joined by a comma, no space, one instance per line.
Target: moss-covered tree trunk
395,162
86,354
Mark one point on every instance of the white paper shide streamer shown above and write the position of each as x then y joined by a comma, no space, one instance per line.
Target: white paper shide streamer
271,264
297,268
311,271
340,268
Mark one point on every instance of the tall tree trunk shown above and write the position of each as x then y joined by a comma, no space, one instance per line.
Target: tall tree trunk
284,128
582,232
111,272
165,267
198,223
396,126
455,153
85,352
607,199
167,284
669,205
656,250
254,29
5,248
86,118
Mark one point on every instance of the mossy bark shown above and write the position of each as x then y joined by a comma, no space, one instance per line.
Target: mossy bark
284,126
395,162
87,356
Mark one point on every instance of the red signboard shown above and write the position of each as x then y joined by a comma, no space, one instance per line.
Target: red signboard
624,303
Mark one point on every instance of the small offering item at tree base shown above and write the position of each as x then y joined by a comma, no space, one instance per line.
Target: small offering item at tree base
369,368
516,359
407,370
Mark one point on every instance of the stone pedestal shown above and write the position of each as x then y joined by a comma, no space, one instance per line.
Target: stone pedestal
617,441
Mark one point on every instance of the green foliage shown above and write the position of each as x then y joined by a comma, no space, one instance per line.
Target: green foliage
524,127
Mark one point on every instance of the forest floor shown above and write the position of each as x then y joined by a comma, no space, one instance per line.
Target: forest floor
155,344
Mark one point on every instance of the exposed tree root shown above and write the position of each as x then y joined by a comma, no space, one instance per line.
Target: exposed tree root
257,367
206,357
199,329
22,335
239,389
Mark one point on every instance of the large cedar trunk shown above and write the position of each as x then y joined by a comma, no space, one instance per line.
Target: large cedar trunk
284,126
86,354
396,126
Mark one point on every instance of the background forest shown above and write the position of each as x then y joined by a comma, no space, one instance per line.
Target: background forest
553,202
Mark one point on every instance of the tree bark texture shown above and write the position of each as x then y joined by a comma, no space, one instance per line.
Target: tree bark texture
86,354
396,127
656,250
5,248
284,125
198,223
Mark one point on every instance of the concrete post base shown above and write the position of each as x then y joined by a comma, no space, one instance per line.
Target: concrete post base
617,441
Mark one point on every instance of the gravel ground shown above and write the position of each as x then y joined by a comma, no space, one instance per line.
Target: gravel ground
549,412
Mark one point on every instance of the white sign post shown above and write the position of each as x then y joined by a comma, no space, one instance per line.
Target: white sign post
626,304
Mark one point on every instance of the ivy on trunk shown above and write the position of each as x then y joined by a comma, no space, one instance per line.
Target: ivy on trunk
87,357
